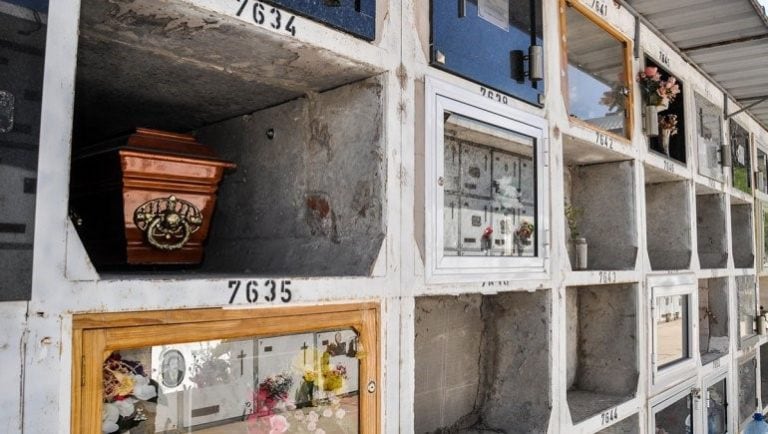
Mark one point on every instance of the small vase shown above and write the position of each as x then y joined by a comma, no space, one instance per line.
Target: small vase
666,134
651,120
580,245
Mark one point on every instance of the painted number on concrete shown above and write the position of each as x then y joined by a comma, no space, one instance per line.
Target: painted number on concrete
266,16
609,416
663,57
493,95
669,167
607,276
267,289
603,140
600,7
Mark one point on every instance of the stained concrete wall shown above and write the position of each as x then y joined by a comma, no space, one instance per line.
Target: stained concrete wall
605,194
596,315
448,337
668,225
307,197
713,318
747,390
482,363
764,375
711,231
741,236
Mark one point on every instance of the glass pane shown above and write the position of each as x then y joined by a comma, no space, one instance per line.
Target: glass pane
740,158
709,133
596,79
671,329
761,180
295,383
676,419
489,190
747,390
717,417
747,303
23,26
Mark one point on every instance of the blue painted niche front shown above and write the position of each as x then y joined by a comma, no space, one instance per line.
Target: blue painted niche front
357,17
479,48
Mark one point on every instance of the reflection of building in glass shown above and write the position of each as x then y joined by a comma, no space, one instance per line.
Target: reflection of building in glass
22,31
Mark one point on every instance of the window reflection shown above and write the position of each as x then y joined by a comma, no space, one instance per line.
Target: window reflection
295,383
671,329
489,190
676,419
709,131
597,85
717,417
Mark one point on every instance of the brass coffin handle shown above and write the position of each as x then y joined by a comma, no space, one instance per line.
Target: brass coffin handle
168,223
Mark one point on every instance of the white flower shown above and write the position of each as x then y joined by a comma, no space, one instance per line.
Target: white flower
109,416
320,431
340,413
299,415
142,389
125,407
327,412
311,426
312,416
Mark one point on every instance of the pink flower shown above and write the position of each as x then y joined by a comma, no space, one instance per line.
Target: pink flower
671,82
278,424
650,71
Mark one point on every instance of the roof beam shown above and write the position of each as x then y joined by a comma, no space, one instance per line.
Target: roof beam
726,42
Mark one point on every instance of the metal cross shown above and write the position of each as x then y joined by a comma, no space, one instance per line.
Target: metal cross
305,347
241,356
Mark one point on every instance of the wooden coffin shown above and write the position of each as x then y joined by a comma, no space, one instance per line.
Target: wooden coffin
147,198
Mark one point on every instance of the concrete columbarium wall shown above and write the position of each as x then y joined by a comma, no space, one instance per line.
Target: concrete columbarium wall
308,194
668,228
713,319
764,375
711,231
600,376
604,195
741,236
481,363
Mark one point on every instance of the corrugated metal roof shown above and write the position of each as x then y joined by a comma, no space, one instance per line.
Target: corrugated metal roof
727,39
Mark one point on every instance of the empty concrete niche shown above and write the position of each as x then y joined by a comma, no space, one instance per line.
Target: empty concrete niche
711,230
303,125
600,201
630,425
600,376
747,387
668,225
741,236
713,319
482,363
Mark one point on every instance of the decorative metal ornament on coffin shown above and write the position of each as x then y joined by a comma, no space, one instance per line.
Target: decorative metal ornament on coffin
146,199
168,223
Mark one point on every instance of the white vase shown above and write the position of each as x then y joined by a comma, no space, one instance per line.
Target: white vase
651,120
580,245
666,134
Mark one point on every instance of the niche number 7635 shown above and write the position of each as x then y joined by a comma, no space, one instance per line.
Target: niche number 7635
269,291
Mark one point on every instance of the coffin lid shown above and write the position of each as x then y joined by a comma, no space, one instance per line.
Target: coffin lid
157,142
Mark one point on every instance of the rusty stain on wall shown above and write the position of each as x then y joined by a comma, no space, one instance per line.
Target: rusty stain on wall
320,217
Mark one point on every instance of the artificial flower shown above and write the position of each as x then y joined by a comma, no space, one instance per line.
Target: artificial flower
340,413
327,412
311,426
109,417
142,389
312,416
278,424
320,431
125,406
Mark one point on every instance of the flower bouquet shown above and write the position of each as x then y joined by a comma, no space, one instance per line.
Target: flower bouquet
125,385
524,232
334,378
657,92
316,420
668,127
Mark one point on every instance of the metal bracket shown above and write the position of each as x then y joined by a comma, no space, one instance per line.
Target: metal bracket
760,100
